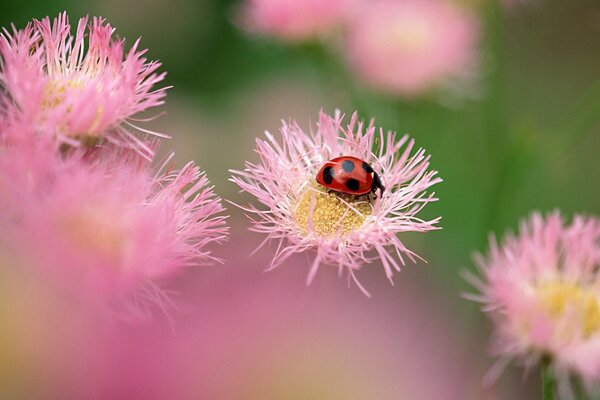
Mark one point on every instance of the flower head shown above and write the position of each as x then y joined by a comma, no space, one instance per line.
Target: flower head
103,224
542,290
410,48
294,21
342,229
77,90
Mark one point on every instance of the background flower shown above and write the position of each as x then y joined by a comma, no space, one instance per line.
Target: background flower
541,288
294,21
409,48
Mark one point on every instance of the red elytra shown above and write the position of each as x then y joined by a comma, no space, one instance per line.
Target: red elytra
349,175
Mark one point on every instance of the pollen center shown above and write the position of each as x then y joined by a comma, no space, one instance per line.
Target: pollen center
579,303
414,37
93,231
55,93
329,214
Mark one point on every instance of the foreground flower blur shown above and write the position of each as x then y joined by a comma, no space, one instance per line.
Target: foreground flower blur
77,90
413,47
542,290
239,338
341,229
85,207
104,224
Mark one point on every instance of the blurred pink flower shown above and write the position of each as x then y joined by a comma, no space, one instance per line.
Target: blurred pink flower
244,336
542,290
103,224
342,230
25,162
294,21
74,89
41,333
409,48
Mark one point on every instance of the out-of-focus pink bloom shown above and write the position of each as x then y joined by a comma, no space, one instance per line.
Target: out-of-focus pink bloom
294,21
28,162
342,230
74,89
542,290
94,219
240,338
103,224
409,48
41,332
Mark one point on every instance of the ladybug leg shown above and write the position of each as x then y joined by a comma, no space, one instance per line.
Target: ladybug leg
368,197
373,191
377,185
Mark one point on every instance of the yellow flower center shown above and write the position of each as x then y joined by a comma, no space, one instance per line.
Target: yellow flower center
560,298
54,95
94,231
412,38
329,214
54,92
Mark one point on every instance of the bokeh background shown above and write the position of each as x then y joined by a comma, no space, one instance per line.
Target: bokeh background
242,334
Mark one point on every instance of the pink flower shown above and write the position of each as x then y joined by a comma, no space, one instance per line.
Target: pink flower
26,163
74,89
294,21
342,230
105,226
410,48
241,339
542,290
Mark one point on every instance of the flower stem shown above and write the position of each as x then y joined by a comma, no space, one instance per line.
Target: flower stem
494,105
548,383
495,120
582,118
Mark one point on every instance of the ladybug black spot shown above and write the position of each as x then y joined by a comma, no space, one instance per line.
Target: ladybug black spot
328,175
367,167
348,166
352,184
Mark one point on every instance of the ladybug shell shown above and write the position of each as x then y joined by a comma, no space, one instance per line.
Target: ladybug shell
347,174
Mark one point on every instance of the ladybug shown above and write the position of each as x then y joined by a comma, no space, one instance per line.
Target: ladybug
349,175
